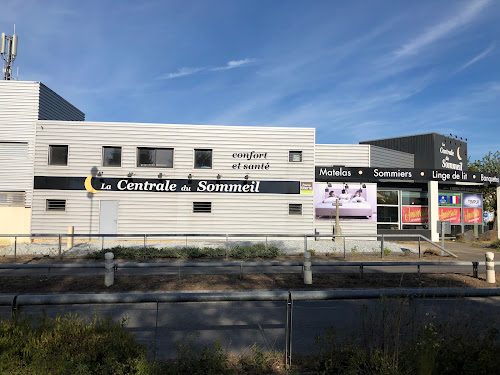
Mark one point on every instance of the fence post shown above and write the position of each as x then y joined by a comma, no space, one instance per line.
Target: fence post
70,241
305,244
382,247
307,268
474,269
227,246
145,240
59,248
288,331
419,252
490,268
15,248
344,246
109,275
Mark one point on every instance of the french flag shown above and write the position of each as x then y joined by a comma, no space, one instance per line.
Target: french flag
454,199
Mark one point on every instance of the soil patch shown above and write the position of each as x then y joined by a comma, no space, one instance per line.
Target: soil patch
172,283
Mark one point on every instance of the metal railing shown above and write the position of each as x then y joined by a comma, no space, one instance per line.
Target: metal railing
17,301
143,238
242,265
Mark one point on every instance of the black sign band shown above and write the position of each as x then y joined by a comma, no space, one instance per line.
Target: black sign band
366,174
98,184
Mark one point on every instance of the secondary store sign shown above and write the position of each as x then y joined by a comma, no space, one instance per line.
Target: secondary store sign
344,174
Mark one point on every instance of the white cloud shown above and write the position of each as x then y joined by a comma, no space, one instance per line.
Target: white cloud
186,71
181,72
479,57
234,64
443,29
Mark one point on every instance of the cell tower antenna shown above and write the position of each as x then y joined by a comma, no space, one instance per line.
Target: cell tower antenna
8,50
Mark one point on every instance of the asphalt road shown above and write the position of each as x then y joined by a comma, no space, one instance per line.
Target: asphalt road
239,325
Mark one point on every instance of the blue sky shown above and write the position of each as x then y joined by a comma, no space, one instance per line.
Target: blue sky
354,70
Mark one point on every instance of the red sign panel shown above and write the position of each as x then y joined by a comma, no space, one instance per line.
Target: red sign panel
473,215
415,214
449,214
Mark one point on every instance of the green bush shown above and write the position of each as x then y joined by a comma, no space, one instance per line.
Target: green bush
69,345
495,244
140,253
434,350
193,358
254,251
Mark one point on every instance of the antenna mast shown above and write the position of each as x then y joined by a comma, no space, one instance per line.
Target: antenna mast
8,50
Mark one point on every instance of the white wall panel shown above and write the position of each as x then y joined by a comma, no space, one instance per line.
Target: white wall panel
148,212
343,155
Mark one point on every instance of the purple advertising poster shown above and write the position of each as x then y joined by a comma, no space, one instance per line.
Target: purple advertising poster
355,203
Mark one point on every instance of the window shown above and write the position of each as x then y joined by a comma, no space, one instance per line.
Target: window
388,209
418,198
295,156
58,155
295,209
387,197
111,156
155,157
12,198
56,205
387,214
202,207
203,158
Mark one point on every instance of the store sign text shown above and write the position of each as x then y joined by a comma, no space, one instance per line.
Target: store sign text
248,158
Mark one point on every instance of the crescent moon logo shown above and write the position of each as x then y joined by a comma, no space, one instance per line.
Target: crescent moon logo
88,185
458,153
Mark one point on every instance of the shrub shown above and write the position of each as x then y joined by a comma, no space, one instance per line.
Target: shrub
495,244
69,344
139,253
238,252
387,251
193,358
254,251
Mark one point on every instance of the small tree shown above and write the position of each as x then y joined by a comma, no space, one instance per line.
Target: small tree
488,164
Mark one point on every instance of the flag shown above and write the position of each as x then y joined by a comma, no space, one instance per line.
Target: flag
454,199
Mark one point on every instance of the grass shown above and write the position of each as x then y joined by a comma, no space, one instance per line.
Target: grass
495,245
69,344
394,338
237,252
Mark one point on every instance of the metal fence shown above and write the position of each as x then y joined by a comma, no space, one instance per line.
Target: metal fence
215,266
16,302
62,243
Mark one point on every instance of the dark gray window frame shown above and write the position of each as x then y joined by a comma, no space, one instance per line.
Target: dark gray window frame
104,159
291,154
155,149
50,157
211,158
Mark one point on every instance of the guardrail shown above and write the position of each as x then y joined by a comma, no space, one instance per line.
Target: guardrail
242,265
143,237
17,301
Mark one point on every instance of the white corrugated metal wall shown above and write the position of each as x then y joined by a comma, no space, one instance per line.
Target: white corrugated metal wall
152,212
18,114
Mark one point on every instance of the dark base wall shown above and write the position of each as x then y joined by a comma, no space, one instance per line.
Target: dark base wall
388,232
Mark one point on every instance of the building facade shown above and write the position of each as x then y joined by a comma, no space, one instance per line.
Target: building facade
59,170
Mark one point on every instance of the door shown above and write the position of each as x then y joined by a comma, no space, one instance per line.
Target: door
108,217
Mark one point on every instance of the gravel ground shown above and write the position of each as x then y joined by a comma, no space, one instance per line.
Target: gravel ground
289,246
